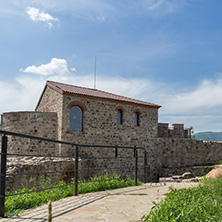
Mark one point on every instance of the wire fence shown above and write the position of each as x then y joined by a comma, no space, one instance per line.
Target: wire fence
43,167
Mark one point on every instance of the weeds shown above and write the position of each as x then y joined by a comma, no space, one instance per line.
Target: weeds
201,203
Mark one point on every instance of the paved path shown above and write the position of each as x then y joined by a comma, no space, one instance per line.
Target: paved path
120,205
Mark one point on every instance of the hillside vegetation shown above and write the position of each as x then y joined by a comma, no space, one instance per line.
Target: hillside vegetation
200,203
211,136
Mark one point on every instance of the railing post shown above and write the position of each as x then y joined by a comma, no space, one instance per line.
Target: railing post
76,169
116,152
3,175
144,166
136,163
148,173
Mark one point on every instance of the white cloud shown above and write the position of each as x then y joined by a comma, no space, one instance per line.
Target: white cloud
161,7
21,94
97,10
36,15
204,98
201,107
73,69
55,67
153,4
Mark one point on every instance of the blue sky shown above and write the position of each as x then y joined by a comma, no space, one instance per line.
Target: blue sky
167,52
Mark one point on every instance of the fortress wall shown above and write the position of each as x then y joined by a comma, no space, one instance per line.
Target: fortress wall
176,153
165,156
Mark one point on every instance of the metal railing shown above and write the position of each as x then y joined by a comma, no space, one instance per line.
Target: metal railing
134,155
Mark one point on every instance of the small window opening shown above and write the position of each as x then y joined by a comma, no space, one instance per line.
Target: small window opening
119,117
137,119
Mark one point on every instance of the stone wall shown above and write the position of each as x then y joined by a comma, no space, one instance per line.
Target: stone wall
181,153
165,157
51,101
42,124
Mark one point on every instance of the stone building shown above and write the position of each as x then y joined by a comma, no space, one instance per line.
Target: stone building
91,116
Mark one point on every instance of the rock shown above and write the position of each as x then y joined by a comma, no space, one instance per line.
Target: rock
196,179
176,177
215,173
187,175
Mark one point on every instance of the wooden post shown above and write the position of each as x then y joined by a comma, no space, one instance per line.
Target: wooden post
49,219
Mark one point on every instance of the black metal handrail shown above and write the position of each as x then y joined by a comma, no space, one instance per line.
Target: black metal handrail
74,158
4,132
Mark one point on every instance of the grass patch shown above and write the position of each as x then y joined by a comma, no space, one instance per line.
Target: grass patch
17,204
201,203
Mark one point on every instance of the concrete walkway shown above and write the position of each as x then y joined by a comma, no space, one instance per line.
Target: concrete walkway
120,205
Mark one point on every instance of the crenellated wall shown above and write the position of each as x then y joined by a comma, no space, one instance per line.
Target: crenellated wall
177,131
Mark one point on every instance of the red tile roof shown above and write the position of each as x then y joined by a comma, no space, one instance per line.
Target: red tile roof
76,90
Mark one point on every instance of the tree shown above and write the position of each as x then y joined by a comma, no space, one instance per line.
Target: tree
192,132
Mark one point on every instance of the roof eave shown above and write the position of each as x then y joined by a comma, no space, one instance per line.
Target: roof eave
56,88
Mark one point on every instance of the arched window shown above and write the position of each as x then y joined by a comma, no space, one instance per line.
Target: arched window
120,110
137,118
75,122
119,116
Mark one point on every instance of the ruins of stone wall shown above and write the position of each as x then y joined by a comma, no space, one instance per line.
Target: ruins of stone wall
42,171
42,124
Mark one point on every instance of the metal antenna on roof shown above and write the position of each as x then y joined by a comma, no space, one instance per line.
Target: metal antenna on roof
95,75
